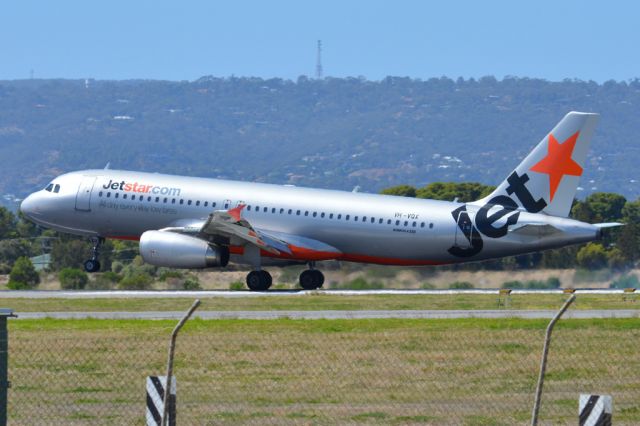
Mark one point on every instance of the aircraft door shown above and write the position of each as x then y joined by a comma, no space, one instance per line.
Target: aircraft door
83,198
464,231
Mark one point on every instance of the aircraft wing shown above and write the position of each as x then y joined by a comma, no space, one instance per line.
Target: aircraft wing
230,223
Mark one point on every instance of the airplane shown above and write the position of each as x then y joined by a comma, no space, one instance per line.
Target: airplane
189,222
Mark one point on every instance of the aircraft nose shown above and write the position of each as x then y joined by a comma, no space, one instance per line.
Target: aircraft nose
29,207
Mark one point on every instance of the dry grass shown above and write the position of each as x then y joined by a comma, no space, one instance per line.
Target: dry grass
321,371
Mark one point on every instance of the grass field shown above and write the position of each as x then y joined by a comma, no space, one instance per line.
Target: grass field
321,371
321,302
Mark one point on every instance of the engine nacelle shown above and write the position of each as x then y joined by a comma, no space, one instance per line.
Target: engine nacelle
174,250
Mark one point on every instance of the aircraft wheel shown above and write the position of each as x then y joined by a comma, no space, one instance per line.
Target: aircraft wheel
311,279
92,265
259,280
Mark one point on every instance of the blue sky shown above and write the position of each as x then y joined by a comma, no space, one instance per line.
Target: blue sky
187,39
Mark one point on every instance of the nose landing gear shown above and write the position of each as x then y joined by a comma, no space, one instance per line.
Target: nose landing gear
93,265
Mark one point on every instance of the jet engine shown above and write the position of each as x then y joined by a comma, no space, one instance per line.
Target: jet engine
174,250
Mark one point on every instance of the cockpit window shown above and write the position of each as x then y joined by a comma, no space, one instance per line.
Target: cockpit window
49,187
56,188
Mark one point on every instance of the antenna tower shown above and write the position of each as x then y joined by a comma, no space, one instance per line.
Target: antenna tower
319,60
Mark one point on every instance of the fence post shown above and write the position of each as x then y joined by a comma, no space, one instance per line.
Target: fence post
543,362
4,363
172,347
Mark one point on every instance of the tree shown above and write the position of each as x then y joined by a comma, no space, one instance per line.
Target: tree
605,206
400,190
7,223
73,279
592,256
448,191
23,275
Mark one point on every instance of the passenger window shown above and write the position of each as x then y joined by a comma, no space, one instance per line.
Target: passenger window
213,204
189,202
181,201
290,211
248,208
264,209
340,216
414,224
406,223
141,197
173,201
206,203
124,196
355,218
380,221
397,222
56,188
306,213
422,225
165,200
373,219
388,221
148,199
364,218
281,211
100,194
330,215
347,217
116,195
157,199
198,203
108,194
273,210
315,214
321,214
258,209
430,225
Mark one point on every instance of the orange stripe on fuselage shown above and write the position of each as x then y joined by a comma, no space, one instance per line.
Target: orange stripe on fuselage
305,255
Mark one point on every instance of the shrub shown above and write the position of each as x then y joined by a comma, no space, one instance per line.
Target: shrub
427,286
165,273
626,281
362,284
461,285
23,275
191,284
236,285
73,279
139,281
104,281
513,285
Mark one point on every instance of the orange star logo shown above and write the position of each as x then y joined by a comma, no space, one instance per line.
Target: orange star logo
558,162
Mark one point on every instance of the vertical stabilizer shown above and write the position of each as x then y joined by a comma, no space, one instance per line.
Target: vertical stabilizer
547,179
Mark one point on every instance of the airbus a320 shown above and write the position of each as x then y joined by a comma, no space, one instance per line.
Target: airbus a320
188,222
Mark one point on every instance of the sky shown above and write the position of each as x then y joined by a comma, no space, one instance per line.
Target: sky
184,40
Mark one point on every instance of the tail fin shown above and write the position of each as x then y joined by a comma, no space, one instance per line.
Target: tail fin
547,179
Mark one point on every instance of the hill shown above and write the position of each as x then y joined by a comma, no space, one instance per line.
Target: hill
332,133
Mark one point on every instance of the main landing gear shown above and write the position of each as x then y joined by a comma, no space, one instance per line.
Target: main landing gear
93,265
311,279
259,280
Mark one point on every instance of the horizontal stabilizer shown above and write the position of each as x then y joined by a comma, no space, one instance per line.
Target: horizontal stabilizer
608,225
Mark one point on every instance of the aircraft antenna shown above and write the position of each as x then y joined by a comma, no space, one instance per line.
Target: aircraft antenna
319,60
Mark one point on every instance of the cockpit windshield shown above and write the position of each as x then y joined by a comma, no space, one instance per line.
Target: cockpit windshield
53,188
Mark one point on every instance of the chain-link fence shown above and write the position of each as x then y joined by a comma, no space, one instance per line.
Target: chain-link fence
385,371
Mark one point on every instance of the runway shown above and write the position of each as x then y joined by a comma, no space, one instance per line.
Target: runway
161,294
336,314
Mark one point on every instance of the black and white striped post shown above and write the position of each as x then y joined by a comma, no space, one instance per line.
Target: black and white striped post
595,410
156,386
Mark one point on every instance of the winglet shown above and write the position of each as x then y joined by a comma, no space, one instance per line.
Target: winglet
236,212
